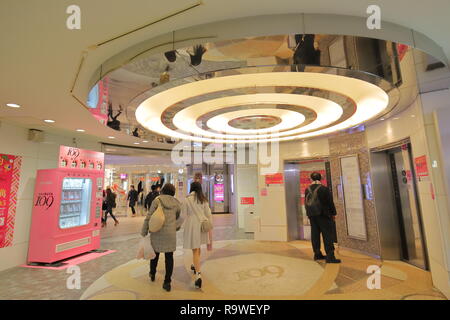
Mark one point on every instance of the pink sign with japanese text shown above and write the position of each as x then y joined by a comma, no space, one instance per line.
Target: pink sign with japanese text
219,192
9,185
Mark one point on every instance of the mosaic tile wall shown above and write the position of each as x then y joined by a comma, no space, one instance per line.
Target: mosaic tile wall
351,144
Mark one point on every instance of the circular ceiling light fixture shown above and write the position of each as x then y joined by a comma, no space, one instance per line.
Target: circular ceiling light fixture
49,121
369,101
81,130
111,137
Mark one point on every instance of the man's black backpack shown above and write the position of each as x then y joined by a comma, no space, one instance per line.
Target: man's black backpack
312,203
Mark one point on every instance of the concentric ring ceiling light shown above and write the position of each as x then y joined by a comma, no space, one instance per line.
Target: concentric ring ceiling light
369,100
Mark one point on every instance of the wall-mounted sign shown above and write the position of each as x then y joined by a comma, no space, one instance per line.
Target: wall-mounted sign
421,167
9,184
75,158
123,176
353,201
247,200
219,192
276,178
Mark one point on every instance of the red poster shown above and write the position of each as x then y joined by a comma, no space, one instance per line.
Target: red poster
276,178
401,50
247,200
421,167
9,184
263,192
70,157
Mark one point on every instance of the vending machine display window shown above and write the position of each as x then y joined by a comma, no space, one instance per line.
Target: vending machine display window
75,202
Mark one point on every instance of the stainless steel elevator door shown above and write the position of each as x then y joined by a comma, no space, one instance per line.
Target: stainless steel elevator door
407,207
292,192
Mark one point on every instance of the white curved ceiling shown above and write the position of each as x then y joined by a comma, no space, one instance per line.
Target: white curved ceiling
40,56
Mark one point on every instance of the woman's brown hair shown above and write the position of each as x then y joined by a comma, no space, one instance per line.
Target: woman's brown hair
168,189
199,195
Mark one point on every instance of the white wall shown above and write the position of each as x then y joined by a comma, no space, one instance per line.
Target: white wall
437,118
272,208
34,156
418,126
246,186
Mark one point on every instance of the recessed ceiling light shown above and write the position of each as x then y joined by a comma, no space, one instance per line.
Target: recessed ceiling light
382,119
145,141
13,105
49,121
81,130
111,137
136,143
395,118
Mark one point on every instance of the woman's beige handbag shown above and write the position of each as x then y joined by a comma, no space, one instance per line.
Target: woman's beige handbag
206,225
157,219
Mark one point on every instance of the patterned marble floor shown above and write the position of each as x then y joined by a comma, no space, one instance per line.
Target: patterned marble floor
236,268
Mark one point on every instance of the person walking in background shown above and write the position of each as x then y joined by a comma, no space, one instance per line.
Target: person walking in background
165,240
195,209
132,199
110,204
104,207
320,210
151,196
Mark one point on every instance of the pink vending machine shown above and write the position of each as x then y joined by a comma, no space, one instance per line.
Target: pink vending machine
67,205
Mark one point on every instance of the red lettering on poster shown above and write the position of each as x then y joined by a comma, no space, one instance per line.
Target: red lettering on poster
432,191
9,184
276,178
247,200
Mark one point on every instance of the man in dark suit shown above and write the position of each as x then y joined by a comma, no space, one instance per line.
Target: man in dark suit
132,199
320,210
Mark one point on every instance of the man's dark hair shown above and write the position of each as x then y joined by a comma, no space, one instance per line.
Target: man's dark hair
168,189
154,187
315,176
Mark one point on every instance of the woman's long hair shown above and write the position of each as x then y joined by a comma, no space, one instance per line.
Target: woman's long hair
199,195
108,192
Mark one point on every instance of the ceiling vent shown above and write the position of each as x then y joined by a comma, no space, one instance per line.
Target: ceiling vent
35,135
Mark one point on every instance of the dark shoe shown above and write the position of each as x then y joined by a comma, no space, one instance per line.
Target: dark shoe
333,260
319,257
166,286
152,277
198,283
193,268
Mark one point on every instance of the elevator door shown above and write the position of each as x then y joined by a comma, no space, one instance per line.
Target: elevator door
405,198
297,179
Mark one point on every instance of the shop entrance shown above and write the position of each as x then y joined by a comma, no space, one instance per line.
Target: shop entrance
397,205
297,175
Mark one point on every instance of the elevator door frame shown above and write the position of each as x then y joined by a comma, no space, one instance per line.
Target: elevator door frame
388,154
295,224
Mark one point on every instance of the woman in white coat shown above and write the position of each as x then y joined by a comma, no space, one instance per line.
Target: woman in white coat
195,209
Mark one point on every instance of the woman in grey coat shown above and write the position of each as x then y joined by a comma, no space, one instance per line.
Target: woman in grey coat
196,209
165,240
